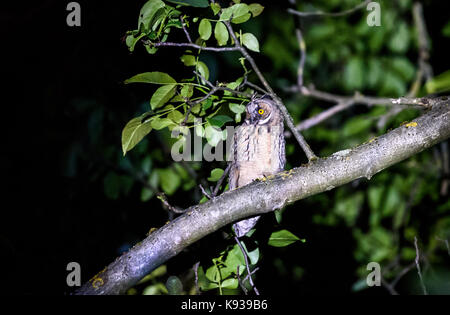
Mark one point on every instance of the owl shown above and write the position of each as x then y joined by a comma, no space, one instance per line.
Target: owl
257,150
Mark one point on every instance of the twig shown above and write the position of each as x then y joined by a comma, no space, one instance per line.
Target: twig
215,88
250,279
185,30
241,283
423,40
204,192
446,244
388,286
359,98
253,86
345,102
301,64
219,182
163,198
196,265
418,267
320,13
315,120
192,45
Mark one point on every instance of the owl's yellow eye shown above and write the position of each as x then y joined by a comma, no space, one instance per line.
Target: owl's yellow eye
261,111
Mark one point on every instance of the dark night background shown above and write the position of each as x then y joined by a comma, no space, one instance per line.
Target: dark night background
63,113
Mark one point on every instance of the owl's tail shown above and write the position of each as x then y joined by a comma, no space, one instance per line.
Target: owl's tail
243,227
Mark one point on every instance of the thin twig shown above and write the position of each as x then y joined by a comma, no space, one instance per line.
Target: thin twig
253,86
418,267
196,265
215,88
446,244
301,64
163,198
183,25
388,286
250,279
345,102
320,13
192,45
219,182
241,283
204,192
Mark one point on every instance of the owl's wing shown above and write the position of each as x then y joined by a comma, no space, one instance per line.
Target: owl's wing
233,176
281,149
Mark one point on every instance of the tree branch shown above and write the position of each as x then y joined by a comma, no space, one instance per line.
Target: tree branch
265,196
320,13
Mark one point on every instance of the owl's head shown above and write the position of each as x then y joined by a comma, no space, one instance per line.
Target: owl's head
261,111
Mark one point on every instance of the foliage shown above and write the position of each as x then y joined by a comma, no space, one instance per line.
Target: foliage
344,55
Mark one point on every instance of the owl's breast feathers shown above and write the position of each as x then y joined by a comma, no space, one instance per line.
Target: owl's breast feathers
258,150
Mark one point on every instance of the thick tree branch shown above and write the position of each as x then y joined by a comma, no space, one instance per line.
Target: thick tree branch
270,194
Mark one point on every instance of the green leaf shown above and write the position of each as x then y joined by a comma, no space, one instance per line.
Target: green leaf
250,41
403,67
255,8
155,289
188,60
237,108
221,33
392,84
219,120
204,283
240,11
147,194
440,83
446,30
151,77
354,74
231,283
356,126
162,95
212,273
176,116
169,180
134,131
205,29
215,7
216,174
148,12
203,69
213,135
131,41
187,90
399,41
161,123
226,14
174,285
282,238
207,104
192,3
